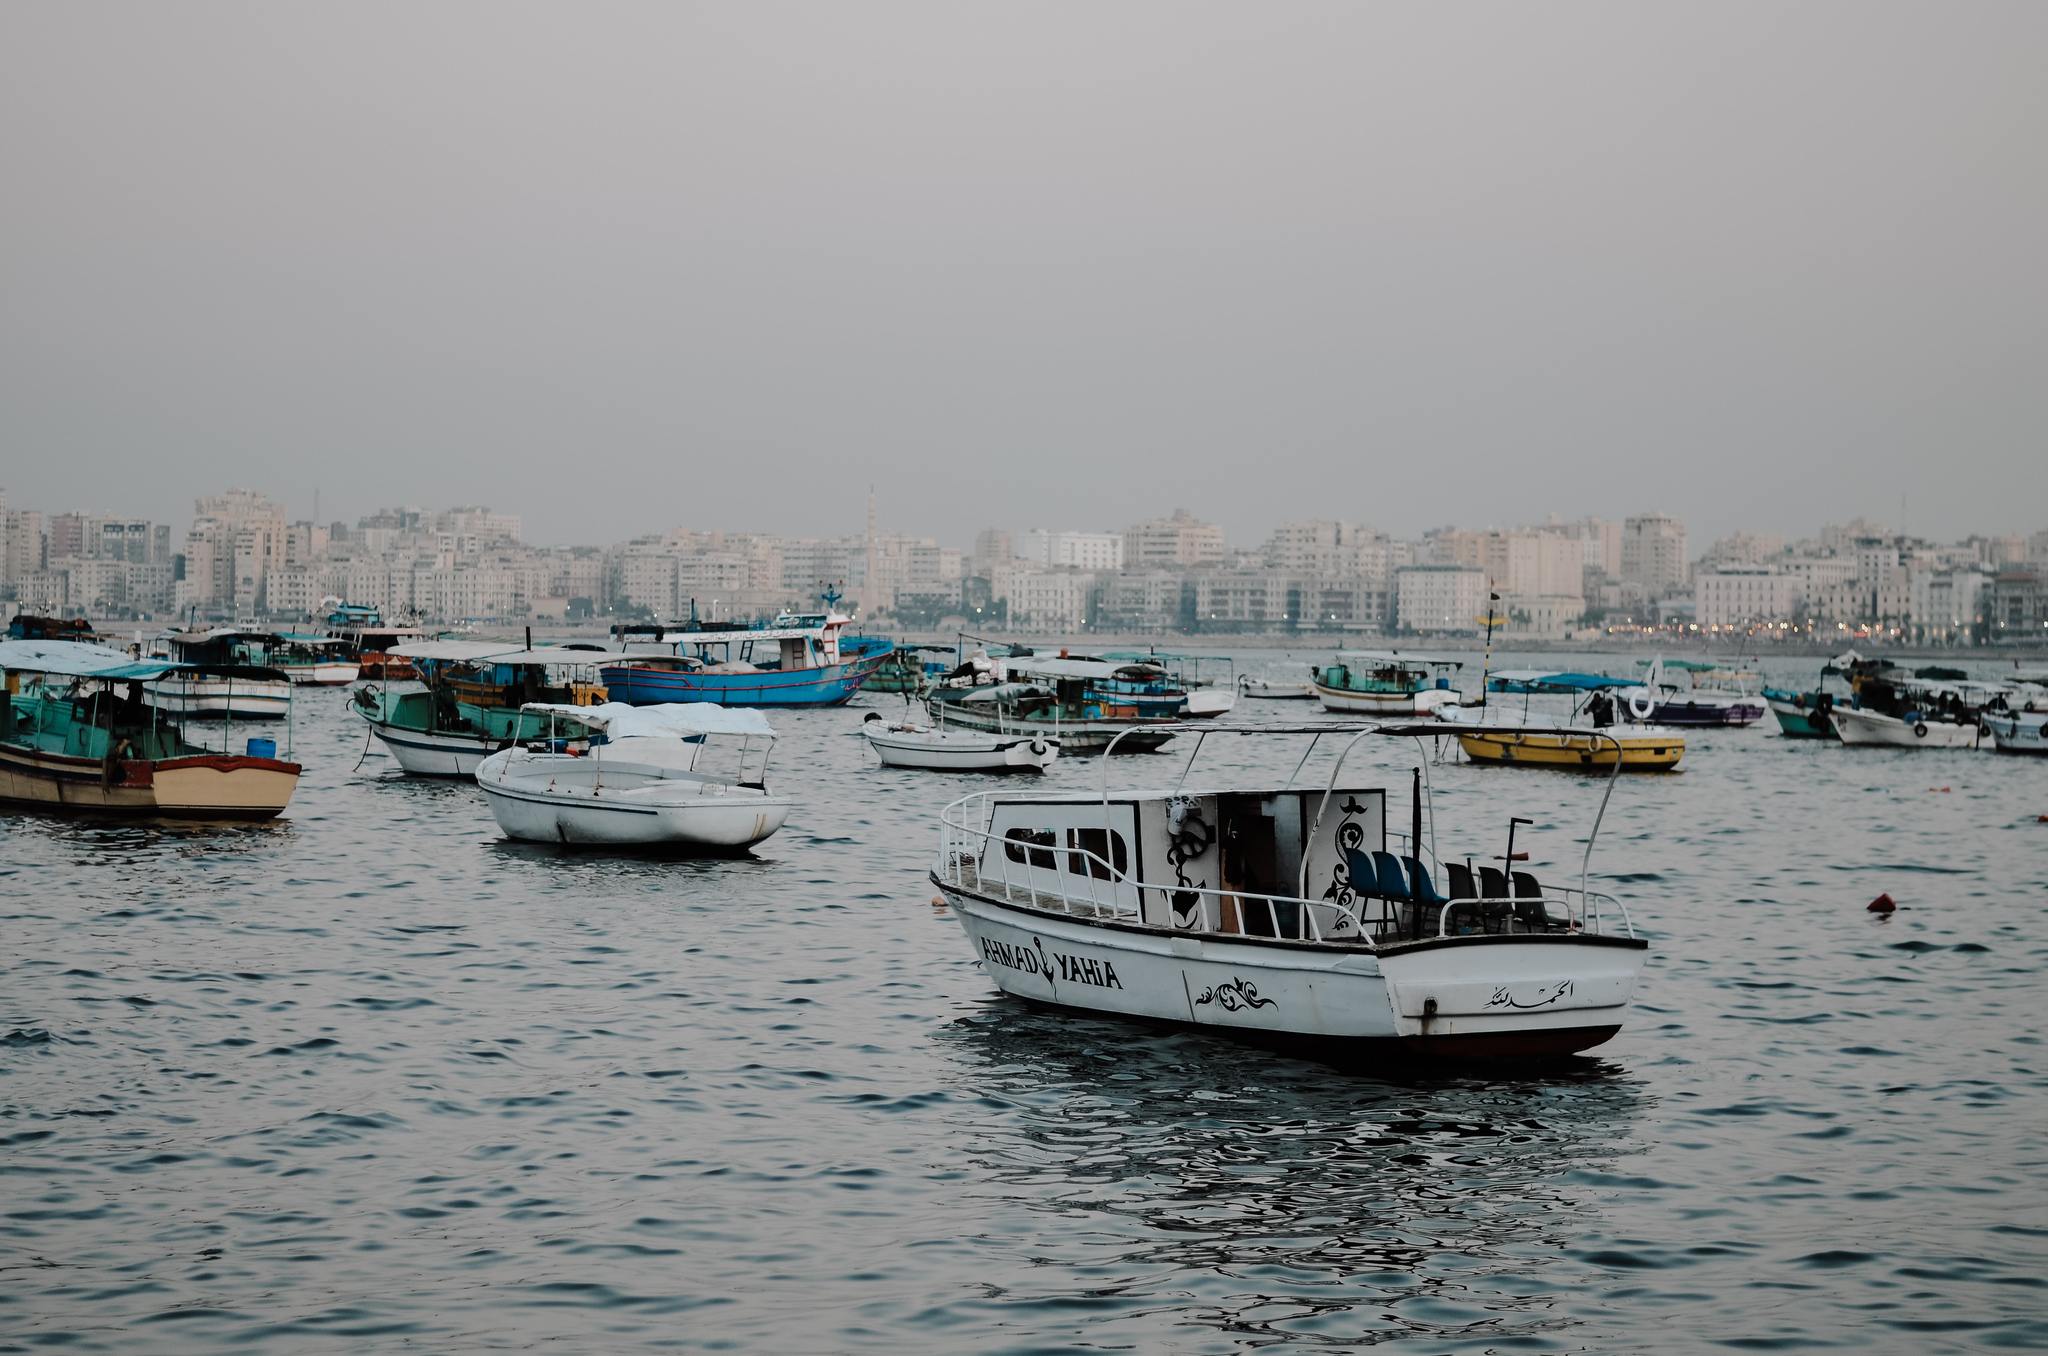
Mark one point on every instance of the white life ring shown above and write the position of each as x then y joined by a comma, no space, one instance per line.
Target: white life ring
1920,729
1641,703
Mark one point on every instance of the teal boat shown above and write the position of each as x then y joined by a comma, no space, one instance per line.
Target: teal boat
471,707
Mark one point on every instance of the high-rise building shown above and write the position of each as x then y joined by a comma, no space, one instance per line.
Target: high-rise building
1179,540
1439,598
1653,555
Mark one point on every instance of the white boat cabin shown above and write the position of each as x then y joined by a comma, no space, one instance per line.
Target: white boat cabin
1205,861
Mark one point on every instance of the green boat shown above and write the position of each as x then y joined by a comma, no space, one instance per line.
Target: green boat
906,671
470,708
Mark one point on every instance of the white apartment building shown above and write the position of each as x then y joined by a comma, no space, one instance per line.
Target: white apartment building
1538,614
1737,595
1074,550
1179,540
1045,600
1948,604
1439,599
1142,600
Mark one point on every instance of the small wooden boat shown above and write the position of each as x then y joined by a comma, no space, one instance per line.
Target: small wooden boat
77,734
907,671
941,750
2020,730
1386,683
1275,689
1286,915
222,674
316,661
1802,715
1860,727
1055,698
1575,747
473,702
634,779
1703,704
1207,683
806,660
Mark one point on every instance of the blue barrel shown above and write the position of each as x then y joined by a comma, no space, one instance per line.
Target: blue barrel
263,748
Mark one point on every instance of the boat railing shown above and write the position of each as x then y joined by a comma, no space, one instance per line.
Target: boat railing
966,833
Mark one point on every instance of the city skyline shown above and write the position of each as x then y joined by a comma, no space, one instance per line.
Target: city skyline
242,557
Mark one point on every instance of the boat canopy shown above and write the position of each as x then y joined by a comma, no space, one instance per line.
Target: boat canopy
669,720
1535,680
1005,692
557,654
1396,657
740,636
76,659
1065,668
456,651
222,633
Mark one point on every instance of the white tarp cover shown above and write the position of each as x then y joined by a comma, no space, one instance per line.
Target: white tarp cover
77,659
1396,657
670,720
457,651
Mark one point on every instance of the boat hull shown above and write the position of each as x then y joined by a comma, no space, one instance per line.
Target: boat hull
426,753
1346,701
1258,689
1639,752
211,698
1870,729
532,809
2020,732
338,673
1799,721
197,786
1444,999
829,685
1705,715
1208,703
1075,736
958,751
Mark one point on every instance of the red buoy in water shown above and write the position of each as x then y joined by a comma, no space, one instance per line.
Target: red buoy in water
1882,904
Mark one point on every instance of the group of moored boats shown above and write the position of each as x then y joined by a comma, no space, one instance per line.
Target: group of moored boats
1882,704
1304,913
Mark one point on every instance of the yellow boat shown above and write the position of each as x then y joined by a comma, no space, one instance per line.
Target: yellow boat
1642,750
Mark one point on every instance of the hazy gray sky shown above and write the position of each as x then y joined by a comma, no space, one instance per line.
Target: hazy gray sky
621,267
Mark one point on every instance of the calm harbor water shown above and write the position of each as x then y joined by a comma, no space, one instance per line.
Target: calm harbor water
372,1078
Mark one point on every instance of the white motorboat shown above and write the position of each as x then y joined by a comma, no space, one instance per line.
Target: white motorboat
2021,726
1856,725
222,692
941,750
1275,689
231,675
1289,914
635,782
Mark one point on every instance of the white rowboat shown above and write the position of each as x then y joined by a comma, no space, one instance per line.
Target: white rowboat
917,746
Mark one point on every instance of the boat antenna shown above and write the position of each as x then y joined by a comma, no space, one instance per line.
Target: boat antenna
1486,665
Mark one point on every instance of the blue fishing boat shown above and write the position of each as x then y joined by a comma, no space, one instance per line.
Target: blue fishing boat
794,660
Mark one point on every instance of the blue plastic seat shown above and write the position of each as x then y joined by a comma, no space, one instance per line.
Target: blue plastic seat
1393,881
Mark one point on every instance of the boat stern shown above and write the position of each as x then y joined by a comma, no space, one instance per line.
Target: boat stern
1511,995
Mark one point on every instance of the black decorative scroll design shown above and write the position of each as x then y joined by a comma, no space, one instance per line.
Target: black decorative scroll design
1235,996
1349,837
1544,997
1188,837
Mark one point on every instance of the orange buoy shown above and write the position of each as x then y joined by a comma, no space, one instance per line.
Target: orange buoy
1882,904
